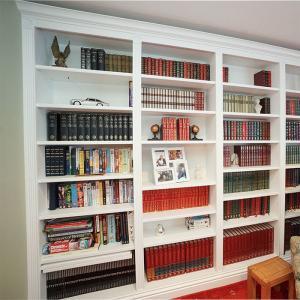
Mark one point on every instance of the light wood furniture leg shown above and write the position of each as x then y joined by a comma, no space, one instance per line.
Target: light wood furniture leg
251,287
265,292
291,288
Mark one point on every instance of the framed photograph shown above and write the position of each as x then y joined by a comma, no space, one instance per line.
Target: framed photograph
175,153
181,170
159,157
165,175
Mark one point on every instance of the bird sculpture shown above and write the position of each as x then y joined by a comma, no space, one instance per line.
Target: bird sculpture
61,57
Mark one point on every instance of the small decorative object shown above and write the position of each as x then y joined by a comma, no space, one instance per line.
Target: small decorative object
257,106
160,230
197,222
199,172
195,130
89,101
60,56
234,160
155,130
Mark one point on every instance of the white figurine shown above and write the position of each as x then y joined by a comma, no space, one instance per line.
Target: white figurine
159,230
257,106
234,160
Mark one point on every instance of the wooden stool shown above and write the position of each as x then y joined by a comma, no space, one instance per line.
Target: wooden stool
268,274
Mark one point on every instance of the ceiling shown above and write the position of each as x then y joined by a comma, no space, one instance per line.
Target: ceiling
271,22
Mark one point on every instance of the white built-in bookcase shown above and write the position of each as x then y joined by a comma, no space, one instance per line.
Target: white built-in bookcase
48,88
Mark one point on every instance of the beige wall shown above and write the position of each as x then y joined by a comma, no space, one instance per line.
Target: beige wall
12,209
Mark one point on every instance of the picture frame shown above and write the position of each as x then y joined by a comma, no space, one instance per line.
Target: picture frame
181,170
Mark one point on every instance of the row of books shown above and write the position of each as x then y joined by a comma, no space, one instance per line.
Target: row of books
168,98
245,181
175,129
247,242
225,72
246,130
173,68
92,193
179,258
89,127
87,279
291,228
263,78
98,59
248,155
77,233
292,177
244,208
233,102
61,160
292,130
292,154
293,106
292,201
168,199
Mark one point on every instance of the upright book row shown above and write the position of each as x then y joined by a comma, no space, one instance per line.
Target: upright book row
60,160
292,130
292,154
245,181
89,127
247,242
92,193
293,106
179,258
168,98
88,279
246,130
173,68
292,177
292,201
292,228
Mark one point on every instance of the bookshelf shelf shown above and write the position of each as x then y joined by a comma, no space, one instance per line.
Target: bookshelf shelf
82,143
72,178
178,213
252,194
176,112
240,142
238,115
82,75
293,142
245,169
91,252
88,261
252,220
290,117
290,190
294,166
82,108
293,93
151,186
249,89
176,82
86,211
161,142
292,213
176,234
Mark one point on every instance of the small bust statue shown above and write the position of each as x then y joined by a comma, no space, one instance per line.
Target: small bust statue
234,160
257,106
159,230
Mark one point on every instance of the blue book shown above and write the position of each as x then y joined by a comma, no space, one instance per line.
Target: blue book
74,195
108,169
111,228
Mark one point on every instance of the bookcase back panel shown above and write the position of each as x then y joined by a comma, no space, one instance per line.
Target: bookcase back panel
44,39
292,77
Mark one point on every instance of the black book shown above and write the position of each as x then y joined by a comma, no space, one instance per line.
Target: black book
80,127
101,59
73,162
69,126
88,58
52,126
120,125
100,127
207,72
87,127
63,129
48,161
74,127
111,127
82,56
106,127
55,161
53,203
62,161
94,59
130,127
116,128
125,128
94,127
87,169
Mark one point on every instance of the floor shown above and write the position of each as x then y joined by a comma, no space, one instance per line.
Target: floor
236,290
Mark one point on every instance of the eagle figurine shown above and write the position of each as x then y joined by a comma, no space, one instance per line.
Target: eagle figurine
61,57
